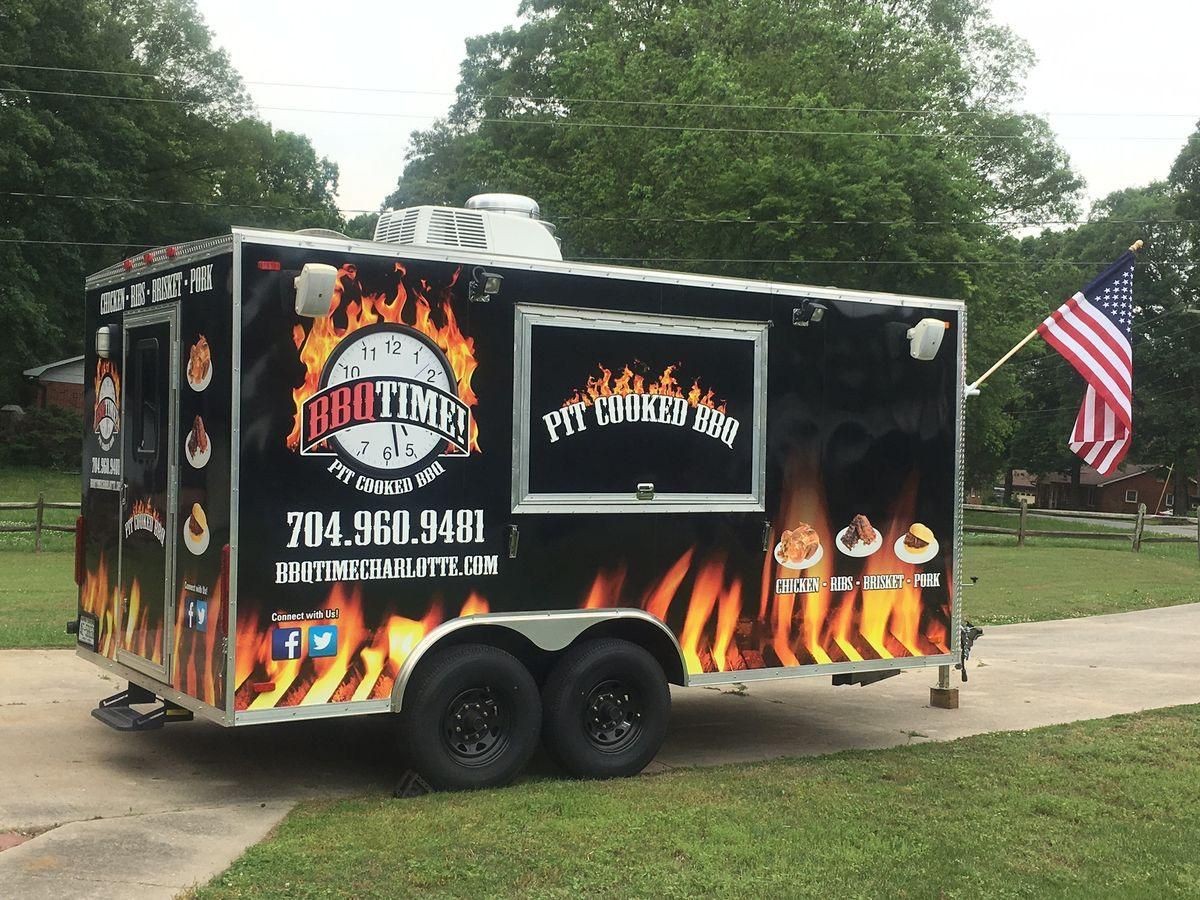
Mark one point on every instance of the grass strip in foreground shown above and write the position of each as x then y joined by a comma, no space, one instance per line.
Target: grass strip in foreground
1099,808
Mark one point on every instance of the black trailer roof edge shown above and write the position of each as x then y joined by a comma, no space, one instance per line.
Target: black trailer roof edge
180,253
568,267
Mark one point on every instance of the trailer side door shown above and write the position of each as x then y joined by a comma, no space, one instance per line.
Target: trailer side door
147,494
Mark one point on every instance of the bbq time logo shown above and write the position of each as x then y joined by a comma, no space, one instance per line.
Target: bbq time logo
387,410
106,419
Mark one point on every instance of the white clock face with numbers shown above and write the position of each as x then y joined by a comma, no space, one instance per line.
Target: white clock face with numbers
389,350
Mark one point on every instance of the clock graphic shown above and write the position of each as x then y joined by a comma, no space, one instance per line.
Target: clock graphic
384,351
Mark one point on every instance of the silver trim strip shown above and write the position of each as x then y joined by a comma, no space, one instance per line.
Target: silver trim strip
956,613
818,669
235,480
315,711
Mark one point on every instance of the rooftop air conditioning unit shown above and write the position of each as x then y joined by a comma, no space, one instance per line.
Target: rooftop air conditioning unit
505,224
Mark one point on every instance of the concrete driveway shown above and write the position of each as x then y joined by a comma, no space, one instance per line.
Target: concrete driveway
148,815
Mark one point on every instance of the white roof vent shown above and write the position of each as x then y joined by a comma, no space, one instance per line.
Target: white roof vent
504,224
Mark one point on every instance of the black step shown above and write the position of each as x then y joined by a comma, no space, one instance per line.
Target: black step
126,718
117,711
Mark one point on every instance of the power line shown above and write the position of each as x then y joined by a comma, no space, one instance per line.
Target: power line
931,222
79,243
841,262
204,203
565,122
695,220
854,262
613,101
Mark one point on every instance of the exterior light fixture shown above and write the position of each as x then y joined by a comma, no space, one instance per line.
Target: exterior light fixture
810,312
484,285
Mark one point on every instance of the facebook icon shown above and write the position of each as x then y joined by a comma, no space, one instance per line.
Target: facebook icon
285,643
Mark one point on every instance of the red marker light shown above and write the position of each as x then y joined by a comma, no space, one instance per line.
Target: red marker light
128,265
171,251
269,265
148,257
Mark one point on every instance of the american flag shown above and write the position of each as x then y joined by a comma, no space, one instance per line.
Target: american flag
1094,330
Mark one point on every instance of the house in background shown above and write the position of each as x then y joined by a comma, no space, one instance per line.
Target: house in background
1024,487
1120,492
58,383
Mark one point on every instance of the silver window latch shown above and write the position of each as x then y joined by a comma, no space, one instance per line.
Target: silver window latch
645,490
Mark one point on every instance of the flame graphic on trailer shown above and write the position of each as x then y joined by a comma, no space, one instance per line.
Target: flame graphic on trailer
366,665
722,631
630,382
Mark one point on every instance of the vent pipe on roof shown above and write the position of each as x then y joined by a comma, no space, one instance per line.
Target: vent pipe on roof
508,204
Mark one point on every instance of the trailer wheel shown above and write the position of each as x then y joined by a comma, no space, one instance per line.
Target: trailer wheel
470,718
606,705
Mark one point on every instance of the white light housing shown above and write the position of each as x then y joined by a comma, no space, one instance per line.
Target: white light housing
925,338
314,289
105,345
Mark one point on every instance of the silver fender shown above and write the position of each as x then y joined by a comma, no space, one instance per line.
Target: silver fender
550,631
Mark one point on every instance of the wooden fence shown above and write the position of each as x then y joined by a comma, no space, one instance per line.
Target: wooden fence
1136,535
39,525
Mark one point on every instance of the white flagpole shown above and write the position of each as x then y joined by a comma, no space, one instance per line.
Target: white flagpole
973,388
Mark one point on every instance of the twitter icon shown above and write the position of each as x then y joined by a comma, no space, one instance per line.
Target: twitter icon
322,640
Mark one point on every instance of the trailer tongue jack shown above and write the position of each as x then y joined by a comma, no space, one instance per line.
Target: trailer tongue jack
117,711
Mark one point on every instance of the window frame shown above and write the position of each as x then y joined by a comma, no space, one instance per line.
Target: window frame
530,316
1128,498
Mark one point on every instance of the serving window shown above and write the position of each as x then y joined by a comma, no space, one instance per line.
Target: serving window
624,412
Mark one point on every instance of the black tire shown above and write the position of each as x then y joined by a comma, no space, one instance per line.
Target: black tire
605,705
470,718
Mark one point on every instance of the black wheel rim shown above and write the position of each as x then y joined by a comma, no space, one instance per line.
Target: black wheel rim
612,716
475,728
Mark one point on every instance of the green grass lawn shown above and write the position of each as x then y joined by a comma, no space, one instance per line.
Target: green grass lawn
1103,808
37,597
37,591
1063,581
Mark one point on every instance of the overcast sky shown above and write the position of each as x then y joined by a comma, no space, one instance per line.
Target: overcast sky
1117,79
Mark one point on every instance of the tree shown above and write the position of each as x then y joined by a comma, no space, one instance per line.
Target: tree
185,152
362,226
868,144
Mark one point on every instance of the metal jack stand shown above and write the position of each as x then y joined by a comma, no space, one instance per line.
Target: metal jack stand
943,696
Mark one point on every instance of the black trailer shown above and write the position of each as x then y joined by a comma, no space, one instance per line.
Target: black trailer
503,496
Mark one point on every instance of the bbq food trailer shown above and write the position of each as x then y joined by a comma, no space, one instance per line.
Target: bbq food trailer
447,475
